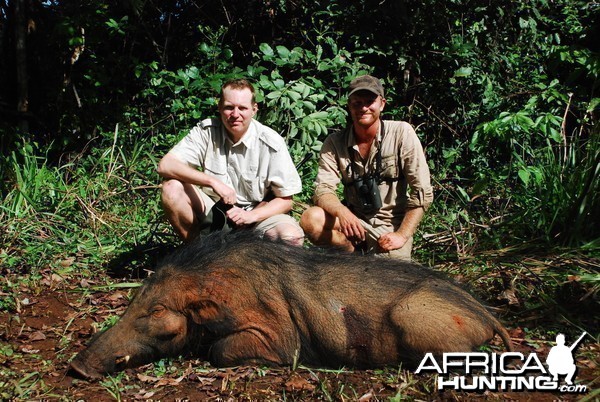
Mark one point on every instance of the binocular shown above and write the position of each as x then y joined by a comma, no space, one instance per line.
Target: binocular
368,193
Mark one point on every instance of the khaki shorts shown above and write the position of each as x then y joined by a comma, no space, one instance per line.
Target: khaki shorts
260,227
373,234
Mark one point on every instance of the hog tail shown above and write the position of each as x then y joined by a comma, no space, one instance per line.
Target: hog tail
503,333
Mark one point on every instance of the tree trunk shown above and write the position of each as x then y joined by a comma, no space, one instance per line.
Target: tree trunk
21,64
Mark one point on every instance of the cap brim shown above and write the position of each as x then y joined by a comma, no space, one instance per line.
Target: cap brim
363,89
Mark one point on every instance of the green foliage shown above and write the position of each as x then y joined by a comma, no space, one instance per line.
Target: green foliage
186,95
36,185
108,323
113,385
493,150
553,176
53,213
301,105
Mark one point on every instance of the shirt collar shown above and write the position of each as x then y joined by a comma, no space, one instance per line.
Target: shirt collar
248,139
351,140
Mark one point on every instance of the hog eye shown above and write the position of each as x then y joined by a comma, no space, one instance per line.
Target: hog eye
157,311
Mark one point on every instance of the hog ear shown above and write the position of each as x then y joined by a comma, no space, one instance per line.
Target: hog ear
205,311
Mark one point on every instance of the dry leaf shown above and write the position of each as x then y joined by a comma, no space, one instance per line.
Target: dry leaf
366,397
143,394
26,349
67,262
147,378
37,336
510,296
297,383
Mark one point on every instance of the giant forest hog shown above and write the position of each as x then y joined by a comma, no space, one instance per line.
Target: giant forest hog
240,300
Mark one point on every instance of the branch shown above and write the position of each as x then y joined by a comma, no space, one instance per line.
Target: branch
563,127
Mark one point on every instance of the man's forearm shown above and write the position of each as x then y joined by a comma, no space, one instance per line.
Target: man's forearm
276,206
331,204
411,221
172,168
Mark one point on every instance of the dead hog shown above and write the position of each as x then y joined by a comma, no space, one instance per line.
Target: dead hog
240,300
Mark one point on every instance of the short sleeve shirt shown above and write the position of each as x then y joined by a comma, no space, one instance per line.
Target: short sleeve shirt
258,163
404,171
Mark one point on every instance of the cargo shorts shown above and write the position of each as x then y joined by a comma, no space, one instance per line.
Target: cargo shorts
371,245
214,219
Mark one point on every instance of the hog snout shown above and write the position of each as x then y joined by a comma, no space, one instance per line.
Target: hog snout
89,366
85,371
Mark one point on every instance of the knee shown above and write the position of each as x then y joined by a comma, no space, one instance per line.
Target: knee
291,234
171,192
312,220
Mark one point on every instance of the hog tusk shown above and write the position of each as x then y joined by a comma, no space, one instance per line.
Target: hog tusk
123,359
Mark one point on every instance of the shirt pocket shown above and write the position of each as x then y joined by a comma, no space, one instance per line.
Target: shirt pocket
389,167
217,168
252,184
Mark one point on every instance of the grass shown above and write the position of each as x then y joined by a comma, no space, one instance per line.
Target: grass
75,216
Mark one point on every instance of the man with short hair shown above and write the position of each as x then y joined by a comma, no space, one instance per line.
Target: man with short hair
245,166
377,161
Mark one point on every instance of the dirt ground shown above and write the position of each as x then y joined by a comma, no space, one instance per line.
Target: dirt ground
38,340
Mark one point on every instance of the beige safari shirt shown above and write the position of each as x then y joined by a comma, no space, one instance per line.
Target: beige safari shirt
259,162
402,158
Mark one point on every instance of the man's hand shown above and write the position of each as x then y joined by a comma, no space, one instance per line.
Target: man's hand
241,217
395,240
227,194
350,226
391,241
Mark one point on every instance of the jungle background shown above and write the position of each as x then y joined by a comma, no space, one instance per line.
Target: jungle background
503,95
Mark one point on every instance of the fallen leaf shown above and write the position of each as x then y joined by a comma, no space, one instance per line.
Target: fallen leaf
143,394
366,397
201,379
37,336
67,262
510,296
297,383
26,349
147,378
172,382
115,296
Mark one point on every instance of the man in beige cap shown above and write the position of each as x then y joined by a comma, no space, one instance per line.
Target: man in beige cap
377,161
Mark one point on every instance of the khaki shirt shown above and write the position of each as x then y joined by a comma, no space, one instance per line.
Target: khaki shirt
259,162
402,158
